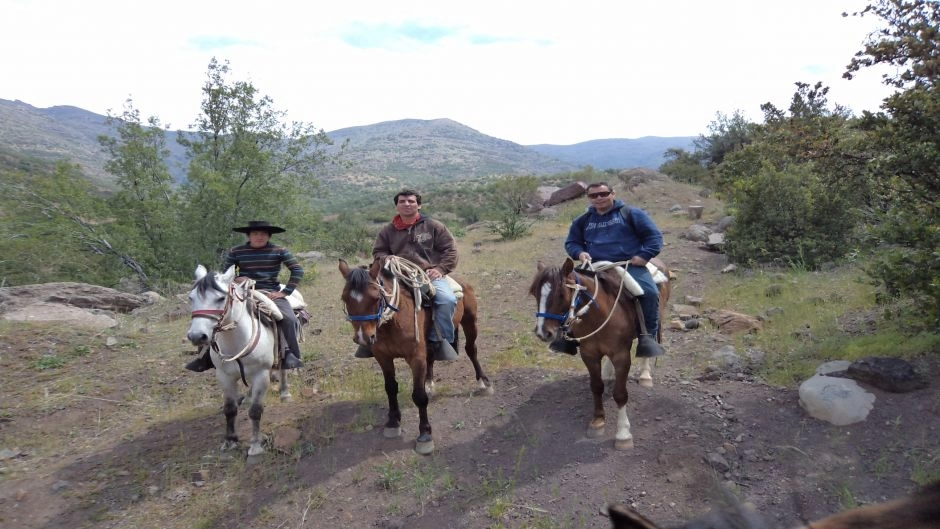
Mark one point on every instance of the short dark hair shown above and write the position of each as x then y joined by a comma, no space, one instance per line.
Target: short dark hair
598,184
408,193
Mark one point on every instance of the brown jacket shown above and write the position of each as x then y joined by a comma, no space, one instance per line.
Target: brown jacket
428,243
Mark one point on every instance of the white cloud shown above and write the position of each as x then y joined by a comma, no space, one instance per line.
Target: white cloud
525,71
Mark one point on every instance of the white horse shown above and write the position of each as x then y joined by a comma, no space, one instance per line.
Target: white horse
225,319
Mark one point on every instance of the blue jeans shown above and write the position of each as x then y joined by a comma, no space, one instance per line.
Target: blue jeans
445,302
649,301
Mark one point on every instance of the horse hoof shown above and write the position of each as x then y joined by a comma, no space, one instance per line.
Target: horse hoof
229,445
623,444
593,432
392,433
646,382
486,391
286,397
255,450
424,447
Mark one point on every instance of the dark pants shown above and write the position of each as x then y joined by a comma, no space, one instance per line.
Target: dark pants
649,301
288,325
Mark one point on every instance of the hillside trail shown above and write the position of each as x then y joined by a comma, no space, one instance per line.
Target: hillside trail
516,459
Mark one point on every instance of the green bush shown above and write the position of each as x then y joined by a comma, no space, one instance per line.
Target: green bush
788,217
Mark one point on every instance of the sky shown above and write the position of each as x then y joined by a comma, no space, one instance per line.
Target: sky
531,72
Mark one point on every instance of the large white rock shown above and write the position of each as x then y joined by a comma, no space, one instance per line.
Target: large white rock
839,401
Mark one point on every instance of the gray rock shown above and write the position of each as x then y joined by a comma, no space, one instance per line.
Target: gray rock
890,374
835,400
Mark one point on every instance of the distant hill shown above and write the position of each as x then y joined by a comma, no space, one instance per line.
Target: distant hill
389,153
617,153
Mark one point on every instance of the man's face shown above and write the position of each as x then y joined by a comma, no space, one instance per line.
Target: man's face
601,197
407,206
258,238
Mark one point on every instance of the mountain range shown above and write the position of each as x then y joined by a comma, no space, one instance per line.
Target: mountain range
405,151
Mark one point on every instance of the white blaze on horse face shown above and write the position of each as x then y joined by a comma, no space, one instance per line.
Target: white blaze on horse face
356,295
543,308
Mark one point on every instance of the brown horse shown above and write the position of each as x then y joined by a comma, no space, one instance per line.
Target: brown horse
919,511
591,308
382,312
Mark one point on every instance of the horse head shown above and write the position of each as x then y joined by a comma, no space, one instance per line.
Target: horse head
366,302
553,298
207,302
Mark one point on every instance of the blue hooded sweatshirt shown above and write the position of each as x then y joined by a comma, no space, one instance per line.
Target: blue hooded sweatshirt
610,237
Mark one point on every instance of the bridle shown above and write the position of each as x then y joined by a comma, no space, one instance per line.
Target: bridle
576,310
225,321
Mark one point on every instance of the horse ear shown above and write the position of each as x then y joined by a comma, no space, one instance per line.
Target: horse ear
375,268
344,268
228,275
626,518
540,266
201,272
567,267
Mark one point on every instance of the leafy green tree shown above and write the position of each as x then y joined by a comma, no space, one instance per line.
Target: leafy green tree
57,229
790,173
726,135
513,196
246,163
684,166
905,141
146,206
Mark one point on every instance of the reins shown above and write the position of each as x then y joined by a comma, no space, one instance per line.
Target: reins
574,313
407,272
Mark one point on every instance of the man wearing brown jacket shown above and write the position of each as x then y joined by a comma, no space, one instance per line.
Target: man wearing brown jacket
429,244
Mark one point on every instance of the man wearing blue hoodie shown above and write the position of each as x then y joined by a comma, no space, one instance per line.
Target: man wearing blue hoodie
605,233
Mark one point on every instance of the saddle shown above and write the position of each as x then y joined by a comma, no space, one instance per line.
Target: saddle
629,283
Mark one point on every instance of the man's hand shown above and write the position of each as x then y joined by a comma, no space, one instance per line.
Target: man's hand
434,274
637,261
276,295
584,257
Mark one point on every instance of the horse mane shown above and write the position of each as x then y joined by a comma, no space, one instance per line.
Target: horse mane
358,279
549,274
208,281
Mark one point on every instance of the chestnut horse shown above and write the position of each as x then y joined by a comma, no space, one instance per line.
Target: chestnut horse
382,312
918,511
591,308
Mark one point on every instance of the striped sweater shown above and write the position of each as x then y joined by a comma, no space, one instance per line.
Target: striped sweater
264,264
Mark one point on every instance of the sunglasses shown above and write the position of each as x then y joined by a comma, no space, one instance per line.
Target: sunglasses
600,194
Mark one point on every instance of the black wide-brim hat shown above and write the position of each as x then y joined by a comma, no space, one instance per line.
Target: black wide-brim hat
259,225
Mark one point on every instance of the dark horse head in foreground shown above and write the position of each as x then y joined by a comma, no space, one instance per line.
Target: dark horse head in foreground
591,308
918,511
384,317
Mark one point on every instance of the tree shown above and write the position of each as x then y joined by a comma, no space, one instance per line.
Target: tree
726,135
246,163
146,207
684,166
905,141
513,196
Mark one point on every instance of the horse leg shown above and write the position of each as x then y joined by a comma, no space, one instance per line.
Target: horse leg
623,440
283,389
424,445
230,402
646,377
393,424
469,324
257,392
429,379
596,426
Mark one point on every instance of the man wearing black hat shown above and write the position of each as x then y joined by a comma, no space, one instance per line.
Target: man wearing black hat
261,261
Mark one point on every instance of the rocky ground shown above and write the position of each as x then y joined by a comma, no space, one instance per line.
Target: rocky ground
516,459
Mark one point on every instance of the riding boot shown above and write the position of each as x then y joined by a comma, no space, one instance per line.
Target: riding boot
564,345
363,351
442,351
291,361
201,363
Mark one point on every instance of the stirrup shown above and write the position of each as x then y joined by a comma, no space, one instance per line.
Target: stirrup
647,347
201,363
291,362
363,352
564,345
442,351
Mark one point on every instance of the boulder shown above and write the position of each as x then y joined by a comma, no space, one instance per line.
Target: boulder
890,374
569,192
835,400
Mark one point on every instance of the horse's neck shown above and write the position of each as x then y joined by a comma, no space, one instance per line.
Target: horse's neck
239,335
